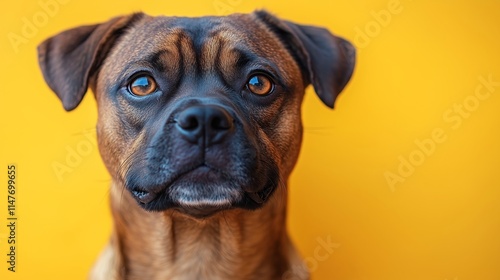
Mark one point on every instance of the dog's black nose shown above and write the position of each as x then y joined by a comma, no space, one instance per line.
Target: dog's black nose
207,124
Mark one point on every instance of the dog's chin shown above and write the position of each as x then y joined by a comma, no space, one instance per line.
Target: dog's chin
202,211
201,200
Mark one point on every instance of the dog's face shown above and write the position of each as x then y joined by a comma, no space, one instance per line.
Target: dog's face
198,114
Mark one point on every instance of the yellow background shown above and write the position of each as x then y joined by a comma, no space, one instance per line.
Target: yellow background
441,222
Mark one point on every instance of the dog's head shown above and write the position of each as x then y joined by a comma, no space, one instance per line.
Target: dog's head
197,114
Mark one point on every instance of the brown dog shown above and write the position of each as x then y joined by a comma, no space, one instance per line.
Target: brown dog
199,126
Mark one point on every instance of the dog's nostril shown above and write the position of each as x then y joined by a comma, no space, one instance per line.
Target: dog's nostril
189,122
207,124
220,123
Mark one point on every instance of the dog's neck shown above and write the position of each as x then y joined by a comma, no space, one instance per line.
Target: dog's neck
233,244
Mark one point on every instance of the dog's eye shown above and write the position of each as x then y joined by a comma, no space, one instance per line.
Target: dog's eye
260,84
142,85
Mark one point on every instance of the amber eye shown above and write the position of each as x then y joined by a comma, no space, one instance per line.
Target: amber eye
142,85
260,84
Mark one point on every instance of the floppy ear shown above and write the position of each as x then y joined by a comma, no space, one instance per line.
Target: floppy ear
68,60
327,61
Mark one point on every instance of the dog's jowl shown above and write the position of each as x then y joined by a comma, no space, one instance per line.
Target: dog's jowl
199,126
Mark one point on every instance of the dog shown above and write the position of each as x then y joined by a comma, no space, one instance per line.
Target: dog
199,125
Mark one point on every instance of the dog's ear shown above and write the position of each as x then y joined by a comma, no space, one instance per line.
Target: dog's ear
68,60
327,61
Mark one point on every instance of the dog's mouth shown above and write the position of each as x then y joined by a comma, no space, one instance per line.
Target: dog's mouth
200,192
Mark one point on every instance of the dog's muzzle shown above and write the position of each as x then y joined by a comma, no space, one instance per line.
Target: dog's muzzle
202,161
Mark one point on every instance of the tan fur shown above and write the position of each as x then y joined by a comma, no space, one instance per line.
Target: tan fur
236,244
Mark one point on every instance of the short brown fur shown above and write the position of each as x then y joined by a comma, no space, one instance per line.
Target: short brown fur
232,243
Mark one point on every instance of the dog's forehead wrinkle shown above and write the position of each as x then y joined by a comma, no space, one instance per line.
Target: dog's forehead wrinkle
194,46
156,59
197,29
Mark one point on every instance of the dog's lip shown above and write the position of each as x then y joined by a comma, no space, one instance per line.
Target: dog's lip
140,191
198,209
145,196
